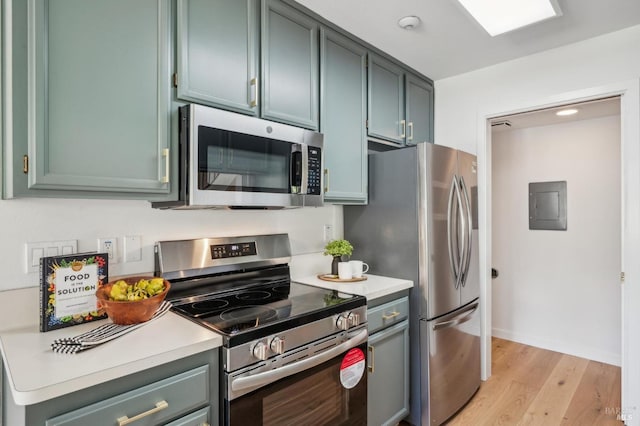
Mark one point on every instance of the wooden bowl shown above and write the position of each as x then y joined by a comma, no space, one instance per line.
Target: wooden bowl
130,312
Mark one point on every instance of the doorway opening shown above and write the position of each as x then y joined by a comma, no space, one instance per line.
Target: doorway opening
558,289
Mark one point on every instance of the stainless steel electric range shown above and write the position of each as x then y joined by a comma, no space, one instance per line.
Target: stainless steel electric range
292,353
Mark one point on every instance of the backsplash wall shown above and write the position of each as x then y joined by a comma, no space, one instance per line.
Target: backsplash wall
37,219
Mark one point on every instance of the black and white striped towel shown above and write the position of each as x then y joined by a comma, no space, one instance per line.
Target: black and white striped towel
102,334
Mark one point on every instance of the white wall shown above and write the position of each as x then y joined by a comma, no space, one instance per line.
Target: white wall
559,290
31,220
596,62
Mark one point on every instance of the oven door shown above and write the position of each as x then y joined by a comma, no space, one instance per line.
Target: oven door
329,388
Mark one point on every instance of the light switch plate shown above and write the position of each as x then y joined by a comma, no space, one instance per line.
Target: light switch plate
34,251
132,248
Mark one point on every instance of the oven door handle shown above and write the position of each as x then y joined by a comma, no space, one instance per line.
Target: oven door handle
261,379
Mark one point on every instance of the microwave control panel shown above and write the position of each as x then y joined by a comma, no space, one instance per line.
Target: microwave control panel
315,170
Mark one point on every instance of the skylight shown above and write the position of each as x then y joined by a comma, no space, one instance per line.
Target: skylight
501,16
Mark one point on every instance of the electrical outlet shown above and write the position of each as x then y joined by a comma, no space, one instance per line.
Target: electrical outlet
109,246
328,232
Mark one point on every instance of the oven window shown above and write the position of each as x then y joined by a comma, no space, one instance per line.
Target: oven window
231,161
313,397
330,404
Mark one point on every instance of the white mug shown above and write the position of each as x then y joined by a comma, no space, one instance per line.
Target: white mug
358,267
344,271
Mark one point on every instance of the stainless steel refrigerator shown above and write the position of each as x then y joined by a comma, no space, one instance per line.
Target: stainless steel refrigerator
421,224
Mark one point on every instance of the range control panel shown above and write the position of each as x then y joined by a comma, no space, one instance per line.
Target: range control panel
224,251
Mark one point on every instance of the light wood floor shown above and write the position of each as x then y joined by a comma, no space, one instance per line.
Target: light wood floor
532,386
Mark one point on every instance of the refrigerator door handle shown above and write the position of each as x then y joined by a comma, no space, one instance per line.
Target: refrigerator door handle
461,318
453,260
465,264
460,236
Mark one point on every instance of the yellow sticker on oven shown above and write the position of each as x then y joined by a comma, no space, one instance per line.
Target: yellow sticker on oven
352,368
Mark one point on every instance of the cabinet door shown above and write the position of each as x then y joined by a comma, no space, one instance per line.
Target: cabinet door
388,381
98,95
289,65
386,100
343,110
419,110
218,53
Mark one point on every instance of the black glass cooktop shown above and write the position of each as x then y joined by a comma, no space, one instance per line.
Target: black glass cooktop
264,308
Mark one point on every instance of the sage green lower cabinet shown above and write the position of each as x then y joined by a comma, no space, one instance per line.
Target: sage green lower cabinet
289,65
184,392
388,362
91,98
343,93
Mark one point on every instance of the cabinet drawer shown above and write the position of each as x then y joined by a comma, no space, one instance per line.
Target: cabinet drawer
181,394
388,314
198,418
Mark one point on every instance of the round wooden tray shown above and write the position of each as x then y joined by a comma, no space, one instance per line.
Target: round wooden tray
335,279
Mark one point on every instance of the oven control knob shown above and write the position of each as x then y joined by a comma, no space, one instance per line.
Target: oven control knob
354,319
342,322
277,345
260,351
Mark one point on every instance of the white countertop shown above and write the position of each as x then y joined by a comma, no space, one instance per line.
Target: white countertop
373,287
35,373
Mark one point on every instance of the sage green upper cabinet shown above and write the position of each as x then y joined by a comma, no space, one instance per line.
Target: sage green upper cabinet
386,100
94,113
400,104
419,110
289,65
343,92
218,47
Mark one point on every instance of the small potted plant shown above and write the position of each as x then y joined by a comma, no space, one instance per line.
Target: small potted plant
337,249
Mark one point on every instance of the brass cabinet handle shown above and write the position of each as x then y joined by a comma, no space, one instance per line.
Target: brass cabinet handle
403,123
165,154
410,138
326,180
254,85
373,359
390,316
124,420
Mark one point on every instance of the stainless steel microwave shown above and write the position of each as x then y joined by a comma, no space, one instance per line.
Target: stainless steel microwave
229,160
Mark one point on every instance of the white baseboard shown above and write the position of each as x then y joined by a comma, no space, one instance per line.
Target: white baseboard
565,347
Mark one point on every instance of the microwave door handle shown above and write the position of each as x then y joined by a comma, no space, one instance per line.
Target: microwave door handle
261,379
305,169
296,171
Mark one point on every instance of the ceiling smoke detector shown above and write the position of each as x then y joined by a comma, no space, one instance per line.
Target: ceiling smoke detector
409,22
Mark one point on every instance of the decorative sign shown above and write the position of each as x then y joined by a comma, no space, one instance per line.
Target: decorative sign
68,285
352,368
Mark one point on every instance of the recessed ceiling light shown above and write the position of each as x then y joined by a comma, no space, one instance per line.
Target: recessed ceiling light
409,22
501,16
568,111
